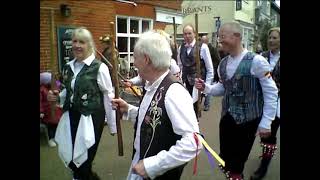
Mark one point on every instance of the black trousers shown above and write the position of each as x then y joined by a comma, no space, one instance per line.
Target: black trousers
51,130
236,141
274,129
84,172
190,88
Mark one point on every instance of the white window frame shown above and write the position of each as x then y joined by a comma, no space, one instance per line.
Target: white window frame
247,41
128,34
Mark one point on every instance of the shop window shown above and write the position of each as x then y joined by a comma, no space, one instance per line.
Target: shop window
145,25
122,25
122,44
134,26
128,32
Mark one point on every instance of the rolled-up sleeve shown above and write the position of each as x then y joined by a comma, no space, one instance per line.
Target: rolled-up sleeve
105,85
261,70
179,107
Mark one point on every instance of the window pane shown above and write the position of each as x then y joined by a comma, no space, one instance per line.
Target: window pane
133,41
134,26
123,55
145,26
122,25
122,44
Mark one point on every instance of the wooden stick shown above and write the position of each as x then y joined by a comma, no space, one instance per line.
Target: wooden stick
116,90
197,55
174,34
121,77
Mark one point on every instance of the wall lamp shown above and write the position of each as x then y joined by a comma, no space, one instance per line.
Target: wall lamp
65,10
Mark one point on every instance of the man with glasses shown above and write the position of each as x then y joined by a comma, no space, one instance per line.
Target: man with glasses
249,99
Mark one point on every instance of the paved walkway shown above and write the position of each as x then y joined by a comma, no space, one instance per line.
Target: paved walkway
110,166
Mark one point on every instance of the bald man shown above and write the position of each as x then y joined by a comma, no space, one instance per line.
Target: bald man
249,99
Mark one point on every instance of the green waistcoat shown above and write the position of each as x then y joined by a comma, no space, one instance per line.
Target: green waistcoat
87,97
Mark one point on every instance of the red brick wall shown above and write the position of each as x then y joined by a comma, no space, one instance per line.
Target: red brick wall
95,15
173,4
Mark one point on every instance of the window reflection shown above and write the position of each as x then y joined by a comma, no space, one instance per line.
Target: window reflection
134,26
123,44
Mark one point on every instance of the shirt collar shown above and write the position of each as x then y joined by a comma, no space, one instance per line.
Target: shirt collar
239,57
192,43
156,83
272,55
87,61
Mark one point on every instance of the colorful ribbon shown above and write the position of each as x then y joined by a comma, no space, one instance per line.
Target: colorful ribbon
210,150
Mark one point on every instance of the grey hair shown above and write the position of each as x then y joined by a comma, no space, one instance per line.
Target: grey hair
155,46
235,27
84,34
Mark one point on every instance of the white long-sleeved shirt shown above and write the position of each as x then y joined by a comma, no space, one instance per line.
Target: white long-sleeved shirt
174,69
85,137
205,55
105,85
259,69
179,107
273,61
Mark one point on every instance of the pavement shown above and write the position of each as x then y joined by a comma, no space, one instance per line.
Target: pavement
110,166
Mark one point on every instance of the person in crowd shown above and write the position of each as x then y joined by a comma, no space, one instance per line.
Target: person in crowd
269,144
45,108
249,99
164,123
86,102
187,60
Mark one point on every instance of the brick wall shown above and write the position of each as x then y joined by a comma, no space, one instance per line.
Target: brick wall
95,15
173,4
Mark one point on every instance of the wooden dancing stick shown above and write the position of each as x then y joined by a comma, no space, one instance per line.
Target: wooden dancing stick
121,77
197,58
174,33
116,91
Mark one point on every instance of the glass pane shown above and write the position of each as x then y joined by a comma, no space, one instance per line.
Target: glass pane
122,25
123,55
133,41
134,26
145,25
123,44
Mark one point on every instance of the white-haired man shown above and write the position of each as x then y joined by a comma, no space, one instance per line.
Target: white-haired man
165,122
249,99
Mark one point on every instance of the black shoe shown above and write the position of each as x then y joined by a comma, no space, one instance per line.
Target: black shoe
262,170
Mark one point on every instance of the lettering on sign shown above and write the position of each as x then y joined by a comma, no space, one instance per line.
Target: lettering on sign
201,9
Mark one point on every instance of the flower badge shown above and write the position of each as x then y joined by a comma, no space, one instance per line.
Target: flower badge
85,102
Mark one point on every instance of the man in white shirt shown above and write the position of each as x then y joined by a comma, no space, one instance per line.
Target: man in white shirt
249,99
187,63
165,122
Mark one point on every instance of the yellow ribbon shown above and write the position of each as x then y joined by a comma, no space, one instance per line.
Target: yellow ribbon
214,154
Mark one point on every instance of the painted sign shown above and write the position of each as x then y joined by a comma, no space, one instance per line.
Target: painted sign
64,45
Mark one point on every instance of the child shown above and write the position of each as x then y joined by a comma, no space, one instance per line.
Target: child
45,109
